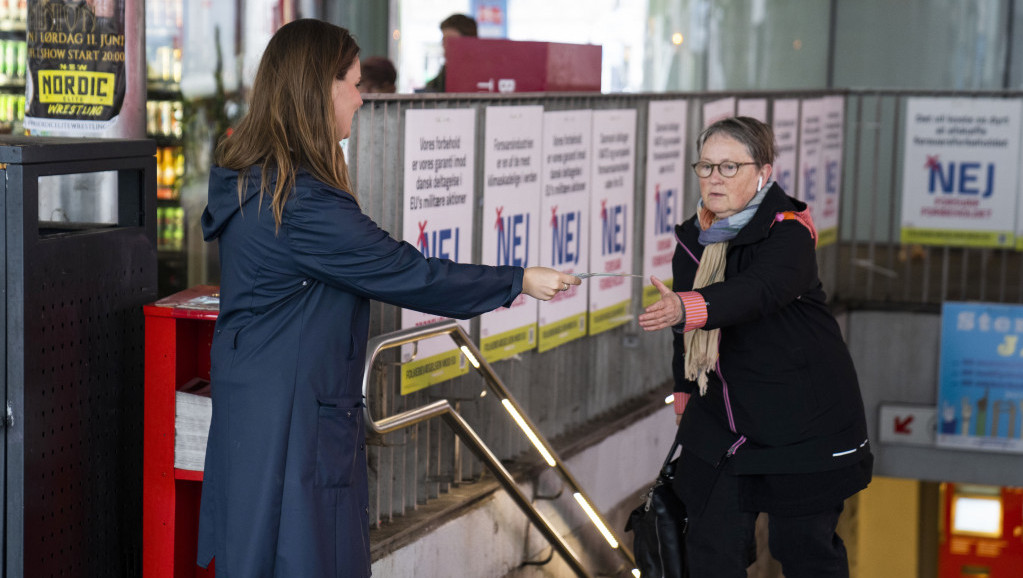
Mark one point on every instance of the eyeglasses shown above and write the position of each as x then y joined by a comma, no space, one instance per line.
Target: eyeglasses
726,169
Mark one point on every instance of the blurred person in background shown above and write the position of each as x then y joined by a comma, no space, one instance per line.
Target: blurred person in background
378,75
454,26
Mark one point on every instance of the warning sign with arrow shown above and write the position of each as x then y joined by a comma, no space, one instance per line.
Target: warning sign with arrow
908,424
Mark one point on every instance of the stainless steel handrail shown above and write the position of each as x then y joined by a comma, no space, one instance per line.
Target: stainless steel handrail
465,432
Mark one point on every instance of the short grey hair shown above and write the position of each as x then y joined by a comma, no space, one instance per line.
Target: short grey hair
756,136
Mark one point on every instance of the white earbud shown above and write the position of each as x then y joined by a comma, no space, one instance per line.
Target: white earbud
760,183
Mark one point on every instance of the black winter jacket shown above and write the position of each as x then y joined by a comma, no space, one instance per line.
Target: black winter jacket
784,398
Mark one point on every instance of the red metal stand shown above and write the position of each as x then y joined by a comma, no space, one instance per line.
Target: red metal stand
179,331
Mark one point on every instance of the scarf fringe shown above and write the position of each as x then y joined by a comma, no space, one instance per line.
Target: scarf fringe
699,366
701,344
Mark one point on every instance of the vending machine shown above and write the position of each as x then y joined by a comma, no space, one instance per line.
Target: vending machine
981,531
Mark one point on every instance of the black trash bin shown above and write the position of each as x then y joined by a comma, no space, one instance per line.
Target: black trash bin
79,263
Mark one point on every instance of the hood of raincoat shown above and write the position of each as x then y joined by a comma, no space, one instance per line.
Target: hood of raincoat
222,204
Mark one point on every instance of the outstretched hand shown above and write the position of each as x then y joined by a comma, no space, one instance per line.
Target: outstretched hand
544,283
665,313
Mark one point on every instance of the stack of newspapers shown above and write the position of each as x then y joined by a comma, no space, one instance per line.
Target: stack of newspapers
193,409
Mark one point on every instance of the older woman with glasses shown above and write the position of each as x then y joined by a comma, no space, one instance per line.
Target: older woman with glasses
769,407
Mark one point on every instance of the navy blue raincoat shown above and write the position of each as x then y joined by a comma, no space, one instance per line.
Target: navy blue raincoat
285,485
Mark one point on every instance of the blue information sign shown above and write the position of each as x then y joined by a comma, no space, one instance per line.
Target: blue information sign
491,18
980,396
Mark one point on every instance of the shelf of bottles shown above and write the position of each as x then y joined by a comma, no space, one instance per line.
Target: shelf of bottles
164,121
13,64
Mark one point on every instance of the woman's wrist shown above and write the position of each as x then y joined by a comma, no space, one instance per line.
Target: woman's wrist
682,312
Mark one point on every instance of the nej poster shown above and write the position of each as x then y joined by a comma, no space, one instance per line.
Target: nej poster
820,163
665,179
752,107
960,171
438,220
716,110
786,135
980,395
511,219
808,187
832,138
611,217
565,225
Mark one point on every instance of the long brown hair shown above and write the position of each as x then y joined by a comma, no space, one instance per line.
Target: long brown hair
290,123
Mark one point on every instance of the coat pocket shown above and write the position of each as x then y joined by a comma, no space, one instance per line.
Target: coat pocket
779,408
339,425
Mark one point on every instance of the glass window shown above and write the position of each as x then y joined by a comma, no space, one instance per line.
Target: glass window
924,44
741,45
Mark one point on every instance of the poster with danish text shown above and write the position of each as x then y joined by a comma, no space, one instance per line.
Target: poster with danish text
980,390
612,198
438,220
716,110
513,144
786,138
665,179
808,186
832,139
565,221
752,107
75,55
960,171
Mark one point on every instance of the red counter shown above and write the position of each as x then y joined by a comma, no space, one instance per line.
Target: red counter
488,65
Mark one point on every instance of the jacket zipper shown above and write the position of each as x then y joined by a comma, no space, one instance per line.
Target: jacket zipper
728,402
731,418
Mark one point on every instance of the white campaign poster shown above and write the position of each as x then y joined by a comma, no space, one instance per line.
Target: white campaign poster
613,179
665,180
808,187
960,171
439,167
565,221
716,110
832,140
786,135
512,150
752,107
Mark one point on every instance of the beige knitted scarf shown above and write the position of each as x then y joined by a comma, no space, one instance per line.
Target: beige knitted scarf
702,345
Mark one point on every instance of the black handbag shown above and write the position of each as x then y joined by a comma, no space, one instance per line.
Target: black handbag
659,528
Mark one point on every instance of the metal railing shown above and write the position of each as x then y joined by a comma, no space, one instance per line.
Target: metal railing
444,409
